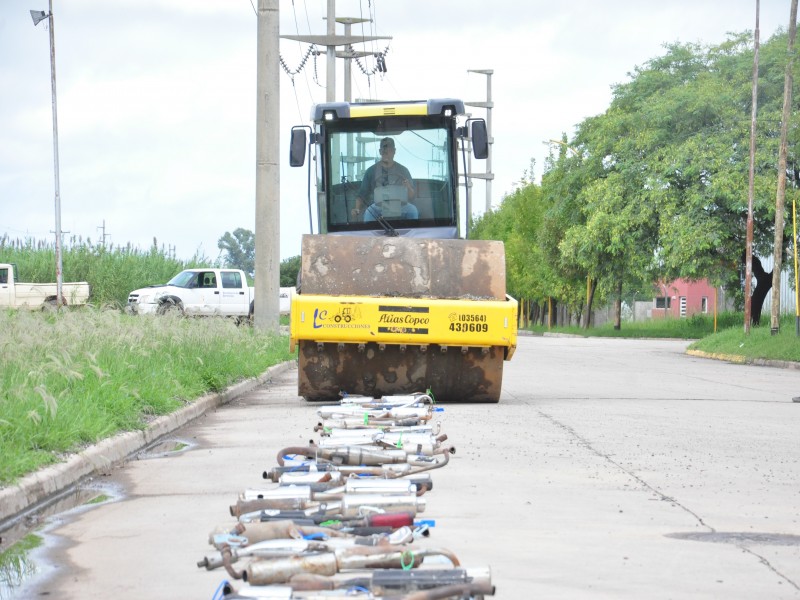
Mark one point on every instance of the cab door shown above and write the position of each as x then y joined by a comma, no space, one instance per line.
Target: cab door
203,298
234,299
5,287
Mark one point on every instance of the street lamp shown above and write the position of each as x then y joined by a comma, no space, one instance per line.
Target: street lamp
560,143
37,16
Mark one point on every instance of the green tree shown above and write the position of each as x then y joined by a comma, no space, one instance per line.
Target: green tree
697,156
562,183
239,250
658,184
517,222
290,267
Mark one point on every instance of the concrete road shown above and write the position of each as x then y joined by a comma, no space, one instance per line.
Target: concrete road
610,469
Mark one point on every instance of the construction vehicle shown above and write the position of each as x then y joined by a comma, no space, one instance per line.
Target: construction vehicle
427,310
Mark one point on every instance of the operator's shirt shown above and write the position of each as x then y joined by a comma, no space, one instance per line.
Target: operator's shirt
379,175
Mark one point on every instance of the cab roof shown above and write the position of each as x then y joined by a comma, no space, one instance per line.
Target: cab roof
355,110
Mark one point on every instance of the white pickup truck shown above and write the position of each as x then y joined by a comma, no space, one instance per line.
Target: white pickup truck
197,292
15,294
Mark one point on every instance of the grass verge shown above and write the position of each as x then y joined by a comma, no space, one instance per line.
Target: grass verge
73,378
759,344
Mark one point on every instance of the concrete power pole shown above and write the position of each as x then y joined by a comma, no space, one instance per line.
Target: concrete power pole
267,280
488,105
780,197
331,41
349,55
37,16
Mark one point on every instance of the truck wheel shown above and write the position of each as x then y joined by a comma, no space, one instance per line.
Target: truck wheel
170,307
248,320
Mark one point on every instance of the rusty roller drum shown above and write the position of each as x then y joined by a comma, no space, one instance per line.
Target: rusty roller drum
396,268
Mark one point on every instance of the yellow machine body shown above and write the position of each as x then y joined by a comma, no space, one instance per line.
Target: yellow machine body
405,321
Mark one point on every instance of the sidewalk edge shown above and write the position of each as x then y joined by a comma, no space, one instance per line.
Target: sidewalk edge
744,360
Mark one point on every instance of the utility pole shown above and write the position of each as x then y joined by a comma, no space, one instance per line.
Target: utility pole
488,176
349,55
104,234
267,280
330,40
780,197
37,16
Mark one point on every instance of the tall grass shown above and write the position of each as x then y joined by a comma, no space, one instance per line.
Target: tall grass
112,271
72,378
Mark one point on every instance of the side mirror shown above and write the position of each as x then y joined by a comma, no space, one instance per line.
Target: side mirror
297,147
480,139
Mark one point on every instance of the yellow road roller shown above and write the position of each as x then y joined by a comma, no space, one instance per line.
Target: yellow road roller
390,298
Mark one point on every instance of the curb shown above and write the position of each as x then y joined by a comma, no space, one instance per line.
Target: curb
36,490
744,360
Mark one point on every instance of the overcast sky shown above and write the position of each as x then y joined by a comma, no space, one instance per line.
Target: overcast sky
157,100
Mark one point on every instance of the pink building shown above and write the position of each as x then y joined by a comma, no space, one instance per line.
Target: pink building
683,299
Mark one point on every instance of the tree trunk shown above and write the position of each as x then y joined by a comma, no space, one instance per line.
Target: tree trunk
618,307
587,322
763,285
780,198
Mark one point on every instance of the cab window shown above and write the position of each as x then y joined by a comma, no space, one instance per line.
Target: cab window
231,279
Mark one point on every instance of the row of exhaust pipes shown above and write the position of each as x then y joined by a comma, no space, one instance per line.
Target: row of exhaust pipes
342,520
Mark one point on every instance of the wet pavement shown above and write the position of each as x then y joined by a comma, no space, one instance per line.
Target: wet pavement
610,469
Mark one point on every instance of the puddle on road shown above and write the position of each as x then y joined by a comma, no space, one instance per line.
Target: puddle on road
24,542
162,448
29,532
16,566
739,538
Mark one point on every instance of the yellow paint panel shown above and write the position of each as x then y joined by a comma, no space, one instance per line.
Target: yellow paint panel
355,319
379,110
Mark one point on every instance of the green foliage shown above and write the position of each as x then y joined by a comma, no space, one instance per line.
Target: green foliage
656,187
516,222
76,377
112,271
290,267
240,250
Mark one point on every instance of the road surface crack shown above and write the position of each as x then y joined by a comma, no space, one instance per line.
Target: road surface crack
589,446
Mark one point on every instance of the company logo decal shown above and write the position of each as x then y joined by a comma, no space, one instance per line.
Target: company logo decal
404,319
346,317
